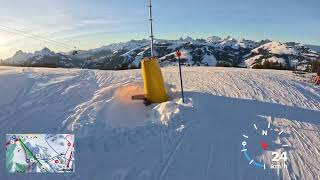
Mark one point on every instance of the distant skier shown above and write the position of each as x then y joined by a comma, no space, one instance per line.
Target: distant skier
317,79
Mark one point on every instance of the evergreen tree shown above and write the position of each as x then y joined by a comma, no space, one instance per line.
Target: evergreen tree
315,66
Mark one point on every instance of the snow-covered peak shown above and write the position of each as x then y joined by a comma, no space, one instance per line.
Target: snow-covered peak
18,57
19,52
44,52
233,43
214,39
229,38
133,44
237,43
276,48
188,39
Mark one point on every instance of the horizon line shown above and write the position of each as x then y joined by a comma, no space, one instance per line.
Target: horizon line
169,39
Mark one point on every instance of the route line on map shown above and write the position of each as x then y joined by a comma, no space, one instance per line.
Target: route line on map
27,149
53,148
59,154
69,159
45,138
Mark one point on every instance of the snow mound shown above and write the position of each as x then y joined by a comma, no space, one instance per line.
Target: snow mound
164,112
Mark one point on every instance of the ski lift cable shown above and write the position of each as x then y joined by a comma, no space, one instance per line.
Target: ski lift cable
34,36
24,35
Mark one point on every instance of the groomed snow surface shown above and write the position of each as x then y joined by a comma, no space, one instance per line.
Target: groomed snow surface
120,139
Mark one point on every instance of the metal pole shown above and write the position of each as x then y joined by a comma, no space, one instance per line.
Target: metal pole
151,27
181,84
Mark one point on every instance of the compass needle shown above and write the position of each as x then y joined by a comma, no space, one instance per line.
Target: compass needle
264,139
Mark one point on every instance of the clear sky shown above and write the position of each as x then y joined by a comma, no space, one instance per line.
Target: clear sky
93,23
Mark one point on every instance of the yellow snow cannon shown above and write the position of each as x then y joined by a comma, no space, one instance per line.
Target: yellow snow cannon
154,87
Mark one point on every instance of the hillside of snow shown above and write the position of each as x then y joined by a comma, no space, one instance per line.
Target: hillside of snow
288,54
121,139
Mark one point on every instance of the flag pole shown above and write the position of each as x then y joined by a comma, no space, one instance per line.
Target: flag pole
151,28
178,53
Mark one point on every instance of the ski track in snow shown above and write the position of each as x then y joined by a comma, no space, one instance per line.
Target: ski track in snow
210,160
170,157
117,138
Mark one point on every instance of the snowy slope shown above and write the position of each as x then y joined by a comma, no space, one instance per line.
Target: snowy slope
120,139
276,48
288,54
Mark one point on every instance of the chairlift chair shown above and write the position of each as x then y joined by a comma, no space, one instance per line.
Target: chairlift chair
74,52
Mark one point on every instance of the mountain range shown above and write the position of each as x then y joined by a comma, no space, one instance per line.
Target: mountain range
213,51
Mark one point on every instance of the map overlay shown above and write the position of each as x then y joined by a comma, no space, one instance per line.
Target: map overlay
44,153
